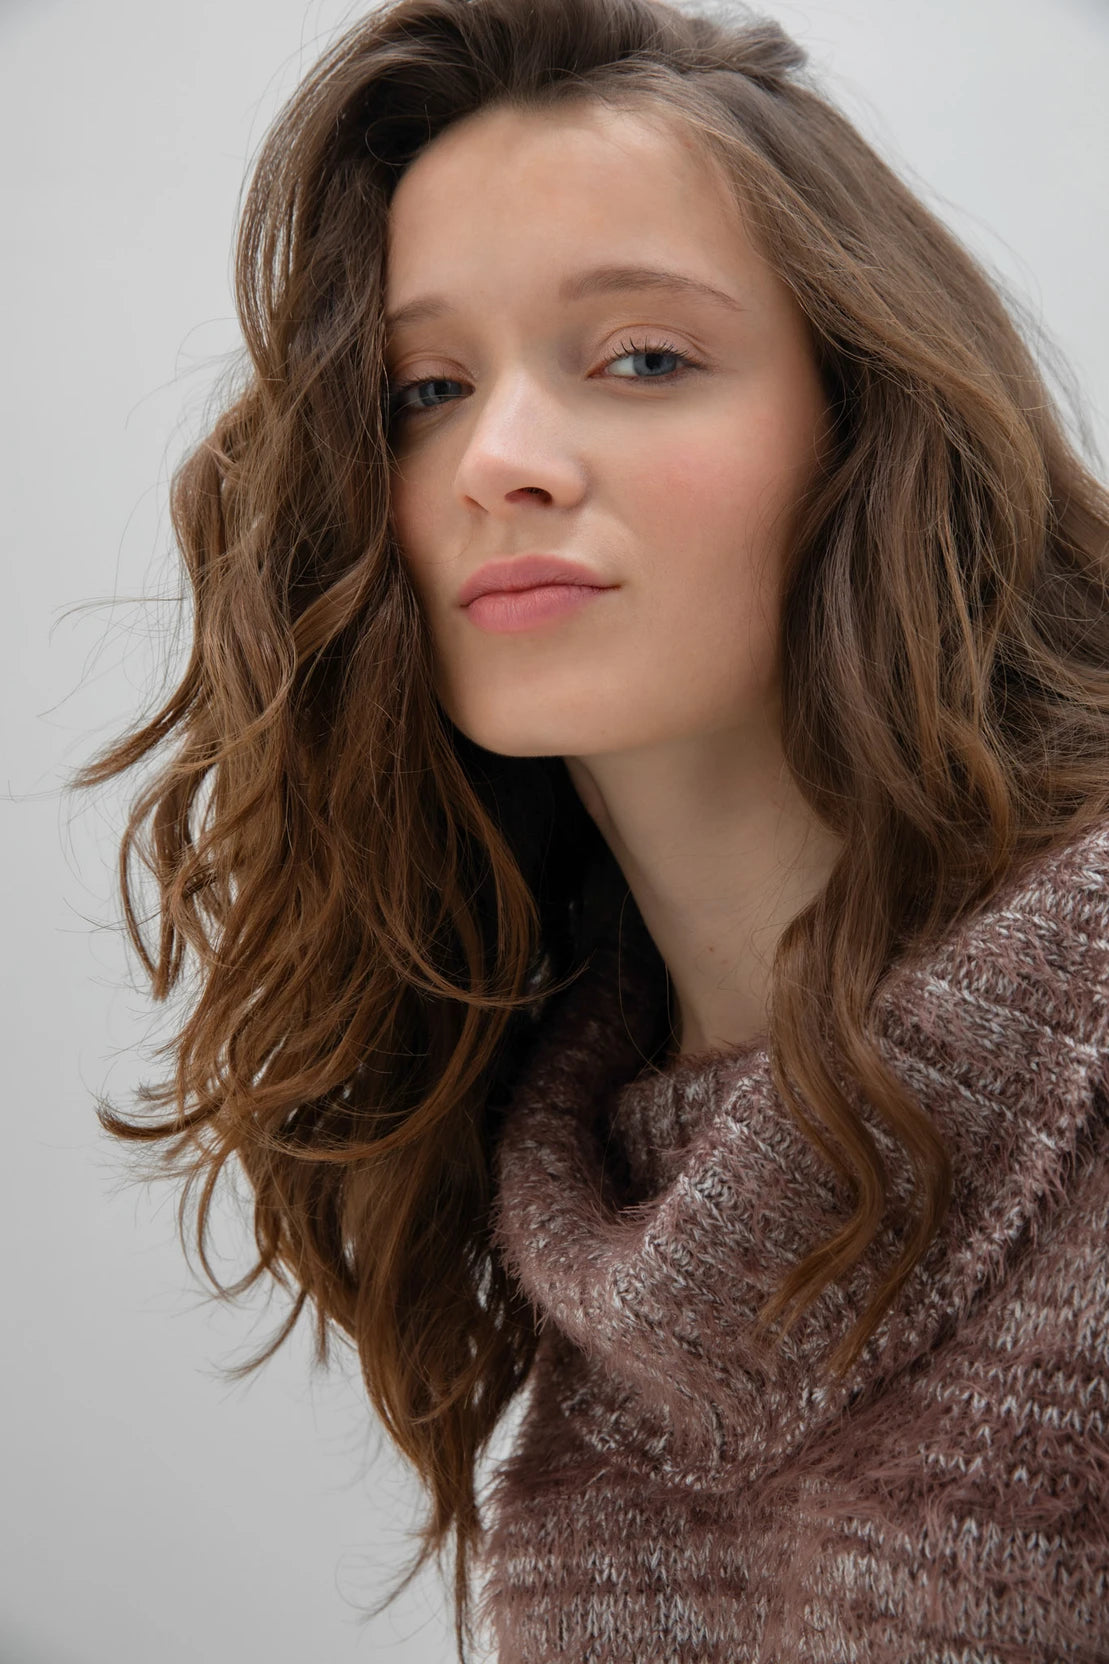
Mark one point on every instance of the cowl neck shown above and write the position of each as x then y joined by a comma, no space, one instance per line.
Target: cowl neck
649,1210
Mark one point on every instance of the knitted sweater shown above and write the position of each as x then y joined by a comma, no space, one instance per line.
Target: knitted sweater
676,1493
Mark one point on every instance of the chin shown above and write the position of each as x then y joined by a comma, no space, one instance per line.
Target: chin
507,742
503,725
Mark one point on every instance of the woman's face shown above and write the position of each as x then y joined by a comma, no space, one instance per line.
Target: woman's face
656,435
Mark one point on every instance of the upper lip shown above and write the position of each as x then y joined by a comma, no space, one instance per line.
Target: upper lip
526,572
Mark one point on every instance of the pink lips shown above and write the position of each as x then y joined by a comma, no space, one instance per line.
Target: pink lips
509,595
507,610
526,572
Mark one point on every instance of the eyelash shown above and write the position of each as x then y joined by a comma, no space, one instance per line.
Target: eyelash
626,349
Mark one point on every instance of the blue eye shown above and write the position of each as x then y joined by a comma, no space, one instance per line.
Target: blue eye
400,406
648,349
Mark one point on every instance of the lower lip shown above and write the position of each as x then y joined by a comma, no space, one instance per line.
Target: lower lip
503,610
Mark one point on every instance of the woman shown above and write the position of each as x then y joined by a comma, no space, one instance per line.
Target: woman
680,987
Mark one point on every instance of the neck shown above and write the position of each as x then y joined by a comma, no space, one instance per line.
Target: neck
720,851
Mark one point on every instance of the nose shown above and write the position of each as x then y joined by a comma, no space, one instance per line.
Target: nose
518,447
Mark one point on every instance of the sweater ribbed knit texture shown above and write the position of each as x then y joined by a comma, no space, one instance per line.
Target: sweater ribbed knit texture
678,1491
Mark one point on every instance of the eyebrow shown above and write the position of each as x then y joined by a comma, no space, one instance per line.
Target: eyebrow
597,280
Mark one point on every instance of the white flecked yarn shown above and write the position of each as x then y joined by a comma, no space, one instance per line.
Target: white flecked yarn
677,1493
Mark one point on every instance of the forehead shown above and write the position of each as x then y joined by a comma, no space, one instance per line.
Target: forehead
577,130
548,185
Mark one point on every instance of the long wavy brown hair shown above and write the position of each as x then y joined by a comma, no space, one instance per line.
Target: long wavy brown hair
373,909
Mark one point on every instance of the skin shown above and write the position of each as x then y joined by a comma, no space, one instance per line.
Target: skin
678,484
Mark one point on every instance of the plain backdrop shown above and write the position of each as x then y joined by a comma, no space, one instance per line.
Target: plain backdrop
152,1513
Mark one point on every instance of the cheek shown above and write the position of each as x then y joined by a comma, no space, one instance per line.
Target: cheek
411,517
711,514
723,488
403,508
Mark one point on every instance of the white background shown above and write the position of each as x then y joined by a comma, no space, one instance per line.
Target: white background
153,1514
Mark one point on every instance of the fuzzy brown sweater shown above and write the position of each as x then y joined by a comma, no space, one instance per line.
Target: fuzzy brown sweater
676,1494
